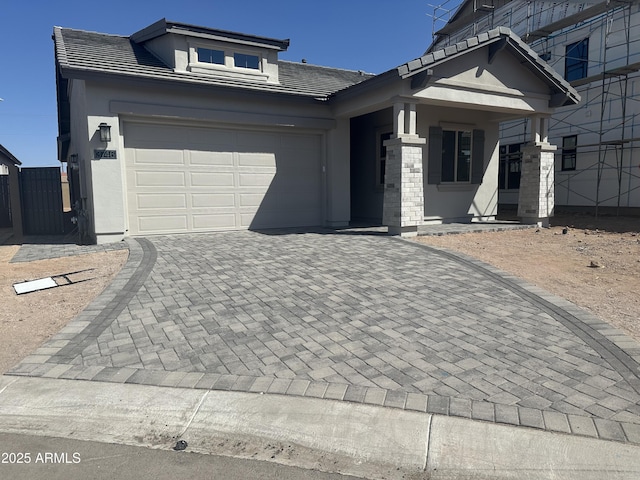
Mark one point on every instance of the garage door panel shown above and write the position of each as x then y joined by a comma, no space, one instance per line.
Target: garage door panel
255,179
213,200
256,159
258,141
221,221
211,179
220,179
159,179
162,223
164,200
159,157
213,139
210,158
251,199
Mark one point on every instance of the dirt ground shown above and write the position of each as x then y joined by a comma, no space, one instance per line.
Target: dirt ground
28,320
595,264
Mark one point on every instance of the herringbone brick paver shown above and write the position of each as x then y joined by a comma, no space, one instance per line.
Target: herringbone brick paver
351,317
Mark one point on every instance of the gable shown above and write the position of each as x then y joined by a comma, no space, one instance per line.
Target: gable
495,59
473,80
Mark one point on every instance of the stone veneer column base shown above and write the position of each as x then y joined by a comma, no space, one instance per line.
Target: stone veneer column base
403,208
536,198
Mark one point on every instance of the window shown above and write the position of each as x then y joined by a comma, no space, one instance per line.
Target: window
242,60
569,149
510,166
456,156
206,55
381,155
576,60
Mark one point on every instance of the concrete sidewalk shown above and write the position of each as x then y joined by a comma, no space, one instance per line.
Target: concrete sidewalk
354,439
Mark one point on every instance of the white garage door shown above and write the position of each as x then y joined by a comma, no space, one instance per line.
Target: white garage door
187,179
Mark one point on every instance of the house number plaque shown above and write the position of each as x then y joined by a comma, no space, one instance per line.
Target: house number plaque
104,154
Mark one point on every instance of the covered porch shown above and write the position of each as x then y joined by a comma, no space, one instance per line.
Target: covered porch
424,145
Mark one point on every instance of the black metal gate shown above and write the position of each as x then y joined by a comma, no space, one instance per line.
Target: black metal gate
41,190
5,203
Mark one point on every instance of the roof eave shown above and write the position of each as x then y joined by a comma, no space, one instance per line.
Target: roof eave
164,26
9,156
89,74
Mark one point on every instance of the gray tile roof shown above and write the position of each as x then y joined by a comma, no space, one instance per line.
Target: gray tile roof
513,42
85,52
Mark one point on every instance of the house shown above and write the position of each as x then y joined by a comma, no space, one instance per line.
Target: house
181,128
10,204
596,47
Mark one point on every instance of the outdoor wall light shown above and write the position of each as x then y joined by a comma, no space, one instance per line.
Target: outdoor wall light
105,132
73,160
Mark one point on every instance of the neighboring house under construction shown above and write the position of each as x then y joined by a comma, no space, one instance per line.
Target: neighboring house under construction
596,47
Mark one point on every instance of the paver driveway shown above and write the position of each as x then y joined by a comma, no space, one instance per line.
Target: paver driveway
352,317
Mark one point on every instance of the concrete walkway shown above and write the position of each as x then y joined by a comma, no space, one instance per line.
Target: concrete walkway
360,319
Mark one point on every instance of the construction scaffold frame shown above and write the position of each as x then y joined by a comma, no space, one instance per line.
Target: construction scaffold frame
617,136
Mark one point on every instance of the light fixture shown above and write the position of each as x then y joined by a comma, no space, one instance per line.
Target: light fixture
73,160
105,132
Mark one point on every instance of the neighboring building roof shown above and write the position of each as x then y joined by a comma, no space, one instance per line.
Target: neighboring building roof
6,156
497,39
80,53
467,12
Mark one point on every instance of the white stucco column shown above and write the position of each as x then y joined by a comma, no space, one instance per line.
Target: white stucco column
536,198
337,175
107,185
403,208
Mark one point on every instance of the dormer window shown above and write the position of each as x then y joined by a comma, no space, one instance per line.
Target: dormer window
214,53
242,60
207,55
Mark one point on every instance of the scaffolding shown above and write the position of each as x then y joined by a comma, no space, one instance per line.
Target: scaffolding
609,92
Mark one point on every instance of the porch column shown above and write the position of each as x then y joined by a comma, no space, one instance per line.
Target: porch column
403,207
536,198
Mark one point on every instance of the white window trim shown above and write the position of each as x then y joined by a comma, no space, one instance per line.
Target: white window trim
248,53
229,66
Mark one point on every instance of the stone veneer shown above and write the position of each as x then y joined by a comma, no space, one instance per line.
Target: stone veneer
403,208
536,200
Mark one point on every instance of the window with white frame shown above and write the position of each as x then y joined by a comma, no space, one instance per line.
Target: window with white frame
208,55
244,60
204,57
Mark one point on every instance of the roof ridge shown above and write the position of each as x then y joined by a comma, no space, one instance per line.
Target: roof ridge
92,31
325,67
